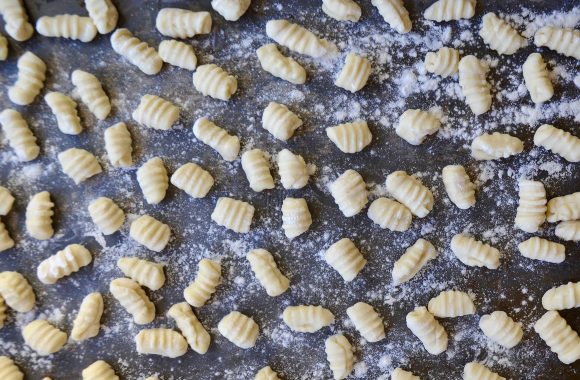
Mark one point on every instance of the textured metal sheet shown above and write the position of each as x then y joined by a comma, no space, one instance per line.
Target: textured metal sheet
516,287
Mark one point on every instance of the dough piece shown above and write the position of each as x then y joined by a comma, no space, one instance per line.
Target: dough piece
500,36
217,138
104,15
20,137
495,146
342,10
145,273
178,54
280,121
206,281
307,318
31,76
197,336
354,74
211,80
17,292
339,354
350,137
39,214
474,253
267,272
569,231
99,370
92,93
415,125
444,62
537,79
239,329
118,144
181,23
447,10
16,19
298,39
531,212
6,241
345,258
475,370
450,304
64,263
562,297
296,218
231,10
565,41
137,52
349,192
43,337
163,342
459,187
410,192
474,86
279,65
106,215
257,170
67,26
192,179
292,169
153,180
541,249
559,336
429,331
564,208
65,110
413,260
79,164
500,328
88,321
367,321
133,299
233,214
558,141
9,370
390,214
150,232
155,112
6,201
395,14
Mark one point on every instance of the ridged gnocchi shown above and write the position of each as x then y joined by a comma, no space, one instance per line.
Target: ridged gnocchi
495,146
367,321
231,10
118,143
17,292
475,370
16,19
354,73
413,260
350,192
558,141
206,281
541,249
43,337
107,215
64,263
350,137
192,179
474,86
562,297
88,320
67,26
153,180
267,272
178,54
298,39
429,331
531,212
499,35
266,373
450,304
257,169
340,357
401,374
39,214
500,328
6,242
307,318
79,164
279,65
92,93
233,214
137,52
31,76
133,299
211,80
99,370
145,273
6,201
181,23
9,370
293,171
239,329
564,208
163,342
565,41
559,336
447,10
155,112
537,78
196,335
415,125
411,192
395,14
103,13
226,145
150,232
342,10
458,185
20,137
65,111
569,230
472,252
296,218
280,121
390,214
444,62
344,257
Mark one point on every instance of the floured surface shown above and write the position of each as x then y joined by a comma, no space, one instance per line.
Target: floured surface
399,81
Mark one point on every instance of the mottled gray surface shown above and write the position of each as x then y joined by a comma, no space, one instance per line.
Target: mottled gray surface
516,287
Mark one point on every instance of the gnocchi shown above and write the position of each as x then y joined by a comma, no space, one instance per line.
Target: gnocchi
88,321
163,342
9,370
181,23
280,66
450,304
541,249
137,52
475,370
569,230
447,10
307,318
67,26
256,167
500,328
474,86
390,214
474,253
344,257
16,19
531,212
92,93
65,110
118,143
401,374
211,80
30,80
298,39
79,164
239,329
562,297
354,74
231,10
39,214
6,201
500,35
395,14
150,232
444,62
106,215
280,121
565,41
43,337
6,241
266,373
367,321
564,208
293,171
207,280
99,370
559,336
350,193
267,272
350,137
233,214
145,273
296,218
17,292
153,180
412,261
20,137
178,54
495,146
459,188
64,263
103,13
133,299
196,335
429,331
558,141
537,79
342,10
415,125
410,192
155,112
226,145
192,179
340,357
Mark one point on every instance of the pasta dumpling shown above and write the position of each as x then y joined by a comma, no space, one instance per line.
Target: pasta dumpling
145,273
20,137
558,141
65,110
65,262
30,80
256,167
296,218
429,331
495,146
88,321
231,10
153,180
196,335
367,321
17,292
410,192
475,370
447,10
307,318
459,187
339,354
342,10
137,52
239,329
43,337
133,299
350,193
67,26
92,93
150,232
345,258
350,137
298,39
266,373
280,121
163,342
390,214
192,179
16,19
6,201
444,62
564,208
559,336
9,370
415,125
354,74
79,164
99,370
267,272
118,144
103,13
211,80
537,78
499,35
541,249
565,41
474,86
413,260
562,297
106,215
233,214
569,230
178,54
39,214
474,253
499,327
181,23
208,278
450,304
226,145
531,212
293,171
6,241
279,65
155,112
395,14
401,374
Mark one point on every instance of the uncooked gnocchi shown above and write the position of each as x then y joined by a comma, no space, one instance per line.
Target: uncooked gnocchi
444,62
354,74
450,304
145,273
280,121
279,65
390,214
345,258
367,321
92,93
231,10
106,215
267,272
429,331
65,110
537,78
43,337
239,329
17,292
103,13
350,137
558,141
88,321
99,370
155,112
559,336
541,249
474,253
395,14
6,241
133,299
20,137
233,214
65,262
565,41
401,374
458,186
9,370
562,297
163,342
307,318
495,146
16,19
206,281
257,169
67,26
192,179
499,327
342,10
293,171
137,52
79,164
193,331
298,39
296,218
153,180
266,373
499,35
178,54
564,208
475,370
340,357
118,144
150,232
411,192
569,230
447,10
6,201
413,260
211,80
39,214
415,125
350,193
226,145
531,212
31,76
181,23
474,86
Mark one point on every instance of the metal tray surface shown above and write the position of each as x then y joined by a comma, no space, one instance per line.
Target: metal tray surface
397,83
